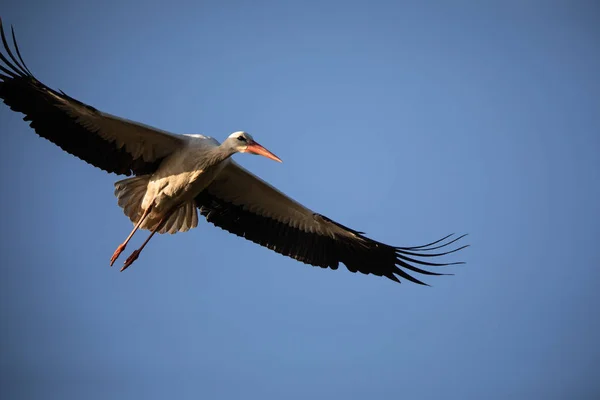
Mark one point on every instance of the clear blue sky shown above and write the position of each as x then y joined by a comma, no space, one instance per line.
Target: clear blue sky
406,120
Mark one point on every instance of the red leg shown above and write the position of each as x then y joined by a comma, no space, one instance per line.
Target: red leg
122,246
136,253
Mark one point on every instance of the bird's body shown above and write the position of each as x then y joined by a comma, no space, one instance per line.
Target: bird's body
179,178
175,176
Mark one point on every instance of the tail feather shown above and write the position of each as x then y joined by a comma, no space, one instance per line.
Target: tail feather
130,194
183,219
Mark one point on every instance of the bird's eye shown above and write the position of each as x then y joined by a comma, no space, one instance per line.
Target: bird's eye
241,138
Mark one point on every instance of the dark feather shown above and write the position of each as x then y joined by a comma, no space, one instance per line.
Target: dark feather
22,92
366,256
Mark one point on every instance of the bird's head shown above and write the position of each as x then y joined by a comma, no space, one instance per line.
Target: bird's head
243,142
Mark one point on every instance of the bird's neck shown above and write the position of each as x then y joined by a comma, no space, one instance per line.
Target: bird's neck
219,154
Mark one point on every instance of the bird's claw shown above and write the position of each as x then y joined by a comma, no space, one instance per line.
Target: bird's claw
116,254
130,259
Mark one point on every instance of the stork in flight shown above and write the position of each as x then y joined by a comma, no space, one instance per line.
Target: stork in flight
174,176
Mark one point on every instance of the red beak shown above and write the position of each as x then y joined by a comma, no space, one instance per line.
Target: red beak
256,148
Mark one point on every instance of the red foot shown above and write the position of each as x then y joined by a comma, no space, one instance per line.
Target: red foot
131,259
116,254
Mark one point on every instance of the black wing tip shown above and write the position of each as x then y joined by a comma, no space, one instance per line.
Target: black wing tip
408,257
14,38
411,278
431,246
403,262
17,67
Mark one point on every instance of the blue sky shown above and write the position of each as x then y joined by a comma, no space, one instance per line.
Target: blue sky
406,120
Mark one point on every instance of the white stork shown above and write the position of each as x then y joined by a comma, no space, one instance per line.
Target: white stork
177,175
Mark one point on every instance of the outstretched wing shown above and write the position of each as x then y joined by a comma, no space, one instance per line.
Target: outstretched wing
243,204
103,140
